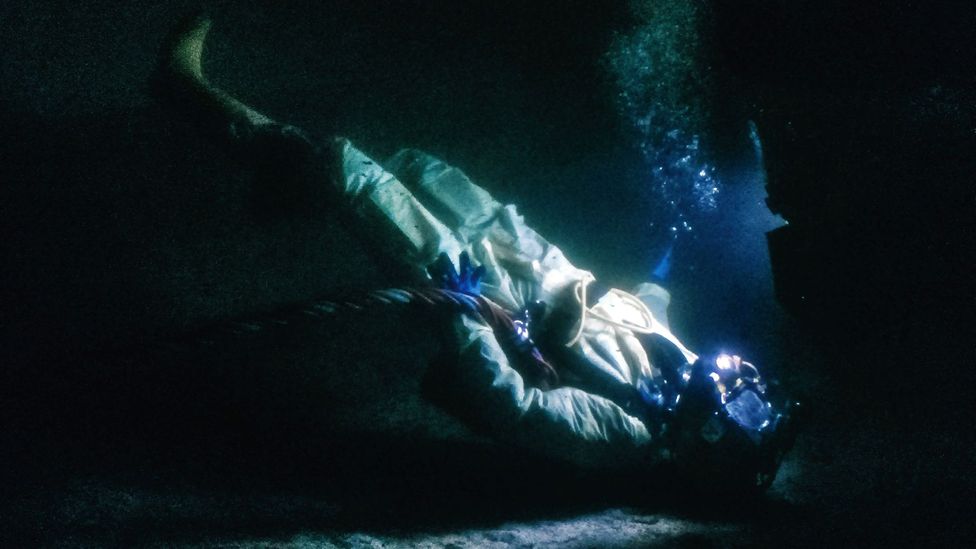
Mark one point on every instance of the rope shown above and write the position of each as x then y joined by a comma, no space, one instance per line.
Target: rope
528,361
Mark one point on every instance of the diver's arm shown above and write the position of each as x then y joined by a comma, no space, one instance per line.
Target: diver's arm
566,423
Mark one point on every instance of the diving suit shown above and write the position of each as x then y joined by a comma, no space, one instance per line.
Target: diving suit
625,393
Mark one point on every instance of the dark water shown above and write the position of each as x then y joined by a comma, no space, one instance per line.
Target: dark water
122,224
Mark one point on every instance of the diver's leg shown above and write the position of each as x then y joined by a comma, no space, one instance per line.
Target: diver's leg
463,206
396,227
522,265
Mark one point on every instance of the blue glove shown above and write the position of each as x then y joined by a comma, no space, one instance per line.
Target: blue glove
468,281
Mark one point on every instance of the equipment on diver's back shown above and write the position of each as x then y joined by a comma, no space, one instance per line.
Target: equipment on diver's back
726,432
722,428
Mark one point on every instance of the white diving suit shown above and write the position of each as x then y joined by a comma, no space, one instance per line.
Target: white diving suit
415,209
396,205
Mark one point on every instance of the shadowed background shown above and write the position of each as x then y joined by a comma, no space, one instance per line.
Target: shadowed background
122,225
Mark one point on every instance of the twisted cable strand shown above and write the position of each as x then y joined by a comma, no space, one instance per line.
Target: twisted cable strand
528,360
322,309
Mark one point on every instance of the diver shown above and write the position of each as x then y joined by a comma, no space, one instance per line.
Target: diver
546,358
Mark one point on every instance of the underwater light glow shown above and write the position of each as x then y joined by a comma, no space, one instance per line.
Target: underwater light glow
662,82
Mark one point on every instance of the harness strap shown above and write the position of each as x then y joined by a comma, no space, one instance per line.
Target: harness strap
649,325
